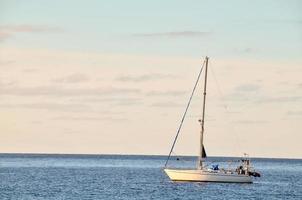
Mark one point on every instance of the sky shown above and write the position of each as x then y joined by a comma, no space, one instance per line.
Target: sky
114,77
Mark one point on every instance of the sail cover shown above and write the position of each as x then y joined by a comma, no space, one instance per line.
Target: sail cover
204,154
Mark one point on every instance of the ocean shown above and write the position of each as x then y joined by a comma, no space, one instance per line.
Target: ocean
55,177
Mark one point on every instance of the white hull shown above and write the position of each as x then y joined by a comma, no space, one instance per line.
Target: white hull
206,176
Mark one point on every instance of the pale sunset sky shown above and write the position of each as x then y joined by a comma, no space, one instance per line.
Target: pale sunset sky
113,77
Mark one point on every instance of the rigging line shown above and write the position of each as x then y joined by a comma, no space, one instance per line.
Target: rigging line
184,115
219,89
221,94
238,146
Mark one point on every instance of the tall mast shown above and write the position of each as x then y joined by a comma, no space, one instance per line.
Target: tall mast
201,153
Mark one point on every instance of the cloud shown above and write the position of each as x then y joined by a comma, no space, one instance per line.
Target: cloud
8,31
166,93
50,106
144,77
4,35
6,83
259,99
243,93
174,34
116,101
59,91
284,99
247,88
246,50
251,122
72,118
28,28
285,21
30,70
127,102
7,62
73,78
109,99
295,113
166,104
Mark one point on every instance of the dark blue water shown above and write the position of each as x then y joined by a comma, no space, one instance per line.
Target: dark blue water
134,177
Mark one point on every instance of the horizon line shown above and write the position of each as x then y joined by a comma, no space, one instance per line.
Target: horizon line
161,155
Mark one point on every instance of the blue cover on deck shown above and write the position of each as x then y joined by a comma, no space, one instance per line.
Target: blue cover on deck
215,167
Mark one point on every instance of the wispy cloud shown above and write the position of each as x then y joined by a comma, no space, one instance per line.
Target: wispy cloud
284,21
50,106
6,83
166,104
243,93
295,113
28,28
59,91
246,50
251,122
109,99
73,78
114,101
144,77
104,118
4,35
247,88
7,62
174,34
281,99
30,70
166,93
260,99
7,31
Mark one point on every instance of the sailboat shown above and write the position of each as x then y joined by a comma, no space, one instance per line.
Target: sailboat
242,174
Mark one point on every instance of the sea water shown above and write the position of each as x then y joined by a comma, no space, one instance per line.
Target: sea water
55,177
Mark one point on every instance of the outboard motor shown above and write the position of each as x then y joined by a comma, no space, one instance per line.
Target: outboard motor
255,174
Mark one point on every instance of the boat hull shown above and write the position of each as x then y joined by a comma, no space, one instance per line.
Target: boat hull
206,176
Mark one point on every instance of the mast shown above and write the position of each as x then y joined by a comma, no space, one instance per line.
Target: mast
201,152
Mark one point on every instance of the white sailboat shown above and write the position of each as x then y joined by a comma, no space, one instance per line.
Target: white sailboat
242,174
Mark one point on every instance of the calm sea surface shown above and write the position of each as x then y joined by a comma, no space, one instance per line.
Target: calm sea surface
28,176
